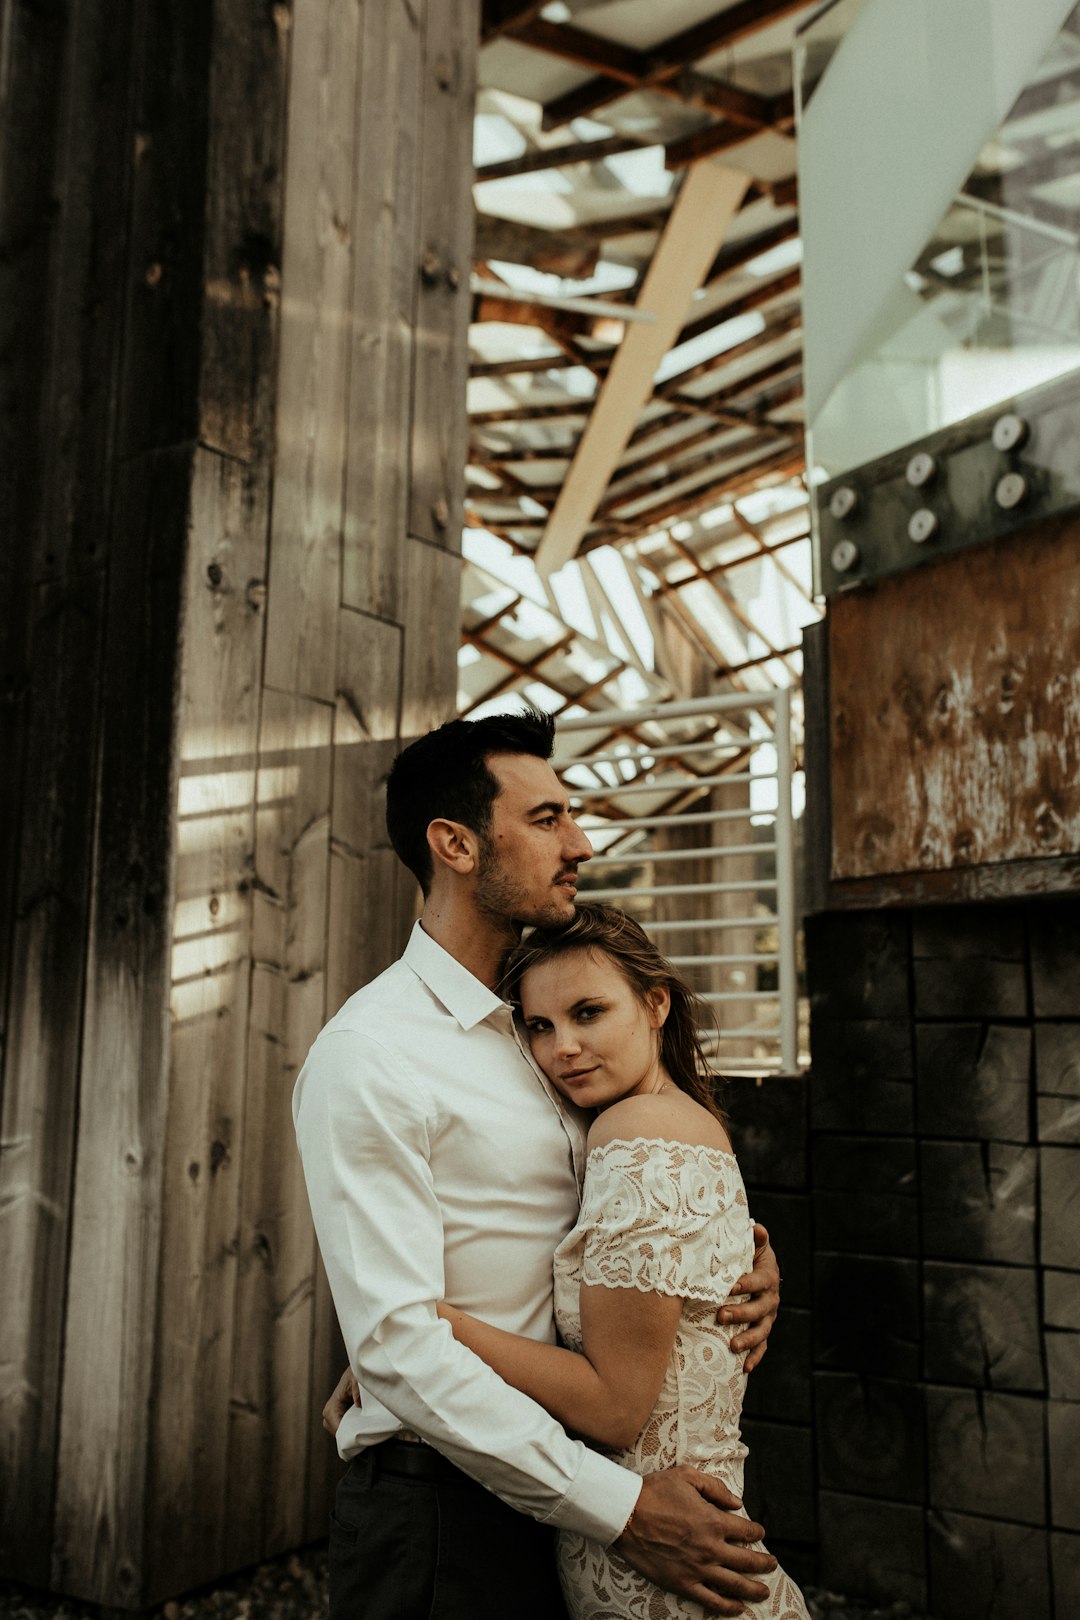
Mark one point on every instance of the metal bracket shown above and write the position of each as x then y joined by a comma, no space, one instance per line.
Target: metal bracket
963,486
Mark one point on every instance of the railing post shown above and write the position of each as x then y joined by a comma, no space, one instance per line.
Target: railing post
785,887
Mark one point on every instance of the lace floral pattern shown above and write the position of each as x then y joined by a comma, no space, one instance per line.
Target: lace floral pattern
672,1218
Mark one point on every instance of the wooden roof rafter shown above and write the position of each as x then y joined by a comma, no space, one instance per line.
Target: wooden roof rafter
724,426
617,68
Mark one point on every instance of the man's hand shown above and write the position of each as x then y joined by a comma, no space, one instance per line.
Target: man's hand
684,1536
763,1286
346,1394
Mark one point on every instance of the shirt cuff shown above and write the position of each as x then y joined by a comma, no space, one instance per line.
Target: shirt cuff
600,1500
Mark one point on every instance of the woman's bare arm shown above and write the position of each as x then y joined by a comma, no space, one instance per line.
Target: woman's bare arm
608,1392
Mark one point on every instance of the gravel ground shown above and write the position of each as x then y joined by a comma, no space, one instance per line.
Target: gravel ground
294,1588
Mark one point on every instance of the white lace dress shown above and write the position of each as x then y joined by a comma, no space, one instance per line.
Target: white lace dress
669,1218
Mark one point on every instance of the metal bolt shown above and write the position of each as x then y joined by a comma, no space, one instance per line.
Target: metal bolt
442,73
429,264
920,469
844,556
843,501
1010,490
923,525
453,276
1010,430
440,511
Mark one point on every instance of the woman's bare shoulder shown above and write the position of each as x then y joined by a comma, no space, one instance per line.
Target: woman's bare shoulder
669,1116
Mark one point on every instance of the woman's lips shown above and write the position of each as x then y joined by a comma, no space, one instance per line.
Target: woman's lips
578,1074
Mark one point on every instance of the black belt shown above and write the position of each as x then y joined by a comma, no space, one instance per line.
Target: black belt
411,1459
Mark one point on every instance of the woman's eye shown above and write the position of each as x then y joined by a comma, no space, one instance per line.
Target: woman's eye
537,1026
589,1012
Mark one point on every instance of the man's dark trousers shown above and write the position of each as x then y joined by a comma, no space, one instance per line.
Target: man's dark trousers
413,1538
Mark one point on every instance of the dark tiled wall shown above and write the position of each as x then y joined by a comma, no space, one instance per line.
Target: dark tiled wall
941,1198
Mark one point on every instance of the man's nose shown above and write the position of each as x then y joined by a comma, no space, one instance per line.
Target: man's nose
578,846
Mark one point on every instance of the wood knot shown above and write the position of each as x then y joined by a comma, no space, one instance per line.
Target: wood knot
440,511
443,74
153,274
429,265
214,575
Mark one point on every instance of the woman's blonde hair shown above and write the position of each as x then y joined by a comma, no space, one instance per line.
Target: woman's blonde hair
602,928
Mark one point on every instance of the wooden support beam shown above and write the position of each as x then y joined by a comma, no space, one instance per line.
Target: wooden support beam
741,106
557,157
514,368
703,143
529,413
709,198
563,253
784,461
501,16
720,32
657,69
670,389
733,258
585,50
765,550
767,292
726,595
676,473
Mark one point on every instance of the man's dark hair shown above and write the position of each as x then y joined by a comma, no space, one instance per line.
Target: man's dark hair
444,776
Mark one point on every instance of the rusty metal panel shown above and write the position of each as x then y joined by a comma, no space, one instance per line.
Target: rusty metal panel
956,710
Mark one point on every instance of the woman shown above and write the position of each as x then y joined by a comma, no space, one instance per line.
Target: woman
663,1235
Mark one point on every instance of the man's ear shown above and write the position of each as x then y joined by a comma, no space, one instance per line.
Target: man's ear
658,1005
453,845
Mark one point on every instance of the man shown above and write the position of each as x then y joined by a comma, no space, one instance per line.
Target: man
440,1163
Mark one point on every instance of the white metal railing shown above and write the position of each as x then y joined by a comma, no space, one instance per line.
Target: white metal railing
683,774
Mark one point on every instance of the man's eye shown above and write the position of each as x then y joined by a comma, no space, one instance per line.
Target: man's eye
546,821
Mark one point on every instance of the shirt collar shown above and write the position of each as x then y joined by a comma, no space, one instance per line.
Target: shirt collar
460,991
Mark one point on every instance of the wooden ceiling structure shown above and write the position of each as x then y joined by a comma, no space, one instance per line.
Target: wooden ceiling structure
594,117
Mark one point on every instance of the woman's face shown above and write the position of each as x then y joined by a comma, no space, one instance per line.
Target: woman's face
589,1032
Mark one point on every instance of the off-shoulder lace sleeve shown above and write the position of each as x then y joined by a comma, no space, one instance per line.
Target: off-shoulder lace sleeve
666,1218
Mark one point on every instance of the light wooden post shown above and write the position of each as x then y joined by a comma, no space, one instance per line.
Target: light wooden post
232,384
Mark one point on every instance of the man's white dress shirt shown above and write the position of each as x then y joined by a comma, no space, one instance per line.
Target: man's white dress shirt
441,1164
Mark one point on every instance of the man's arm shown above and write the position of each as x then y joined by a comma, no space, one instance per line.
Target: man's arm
364,1127
759,1311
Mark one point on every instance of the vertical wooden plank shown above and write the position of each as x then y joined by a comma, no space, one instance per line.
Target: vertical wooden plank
444,257
41,1074
383,292
363,868
242,205
217,728
109,1328
269,1419
31,43
367,923
431,629
312,383
167,133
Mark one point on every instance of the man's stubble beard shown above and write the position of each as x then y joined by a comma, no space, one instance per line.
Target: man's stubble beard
502,896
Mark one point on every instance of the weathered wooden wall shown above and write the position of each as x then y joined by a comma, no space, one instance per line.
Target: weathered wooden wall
234,254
